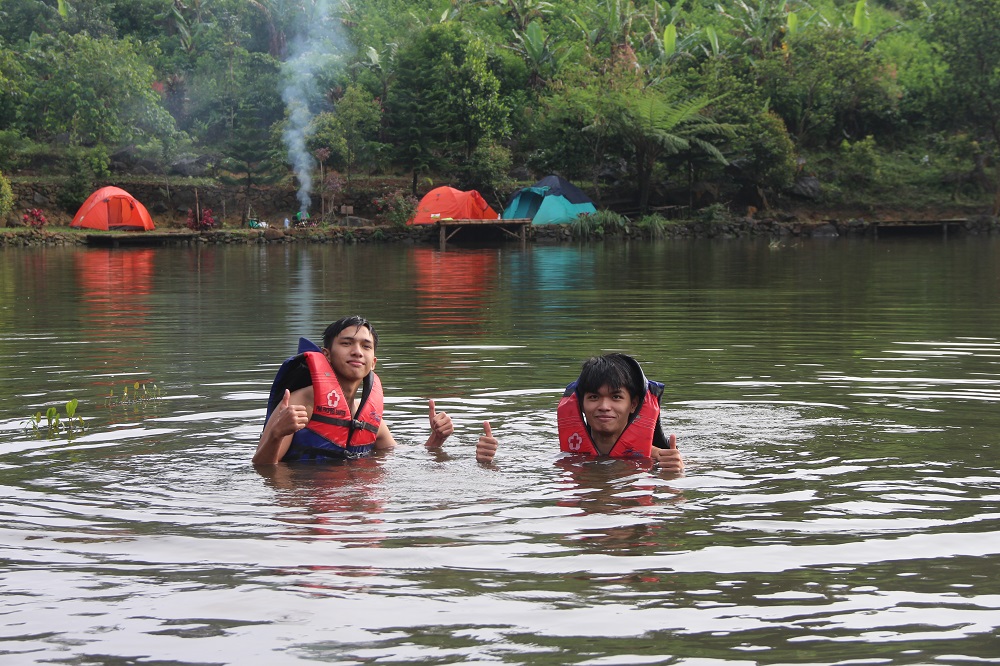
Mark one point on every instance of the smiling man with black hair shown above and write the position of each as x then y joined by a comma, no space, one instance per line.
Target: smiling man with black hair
315,412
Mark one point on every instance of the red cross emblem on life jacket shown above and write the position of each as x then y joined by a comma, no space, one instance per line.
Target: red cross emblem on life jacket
575,441
332,398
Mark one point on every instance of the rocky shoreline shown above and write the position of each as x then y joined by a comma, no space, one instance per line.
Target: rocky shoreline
354,223
732,228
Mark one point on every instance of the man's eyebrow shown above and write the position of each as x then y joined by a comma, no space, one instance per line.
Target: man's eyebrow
352,338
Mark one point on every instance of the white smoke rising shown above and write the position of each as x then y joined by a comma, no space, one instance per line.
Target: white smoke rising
316,49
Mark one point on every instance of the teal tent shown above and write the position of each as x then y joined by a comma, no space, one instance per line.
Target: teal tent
552,200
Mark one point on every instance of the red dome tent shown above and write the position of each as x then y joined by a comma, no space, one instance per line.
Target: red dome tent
112,209
447,203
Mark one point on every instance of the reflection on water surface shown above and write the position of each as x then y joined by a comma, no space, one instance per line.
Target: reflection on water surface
835,402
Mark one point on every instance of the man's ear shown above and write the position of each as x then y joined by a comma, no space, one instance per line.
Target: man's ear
374,361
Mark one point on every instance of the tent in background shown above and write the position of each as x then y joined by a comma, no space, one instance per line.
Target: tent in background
552,200
447,203
112,209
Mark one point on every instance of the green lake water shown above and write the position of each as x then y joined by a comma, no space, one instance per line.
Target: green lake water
837,402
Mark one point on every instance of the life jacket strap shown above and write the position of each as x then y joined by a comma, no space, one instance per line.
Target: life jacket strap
354,424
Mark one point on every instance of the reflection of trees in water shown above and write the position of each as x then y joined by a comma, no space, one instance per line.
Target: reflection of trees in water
330,499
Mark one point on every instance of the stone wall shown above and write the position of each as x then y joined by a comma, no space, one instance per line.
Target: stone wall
169,204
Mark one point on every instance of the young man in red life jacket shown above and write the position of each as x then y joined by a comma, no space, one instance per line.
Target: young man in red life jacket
611,410
314,411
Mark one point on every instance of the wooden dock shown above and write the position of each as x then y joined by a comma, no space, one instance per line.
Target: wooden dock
916,226
516,228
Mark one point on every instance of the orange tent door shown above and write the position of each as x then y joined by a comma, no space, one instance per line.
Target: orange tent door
119,212
112,208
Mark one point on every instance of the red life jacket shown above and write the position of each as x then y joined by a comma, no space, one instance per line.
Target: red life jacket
636,441
332,432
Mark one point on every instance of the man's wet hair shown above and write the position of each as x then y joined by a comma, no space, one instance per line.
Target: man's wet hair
353,321
616,371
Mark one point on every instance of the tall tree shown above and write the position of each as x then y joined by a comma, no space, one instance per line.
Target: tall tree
444,101
360,116
92,90
12,80
249,165
572,133
966,35
827,86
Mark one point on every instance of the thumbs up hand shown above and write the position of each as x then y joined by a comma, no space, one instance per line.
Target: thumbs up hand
290,418
441,427
486,447
669,459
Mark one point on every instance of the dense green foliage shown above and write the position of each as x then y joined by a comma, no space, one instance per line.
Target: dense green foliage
6,196
637,99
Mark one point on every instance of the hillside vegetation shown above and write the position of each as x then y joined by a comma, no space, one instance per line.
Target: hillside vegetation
751,104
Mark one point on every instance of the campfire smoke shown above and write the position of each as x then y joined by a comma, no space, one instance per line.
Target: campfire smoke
314,51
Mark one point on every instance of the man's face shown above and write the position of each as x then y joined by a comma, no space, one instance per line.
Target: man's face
352,353
607,410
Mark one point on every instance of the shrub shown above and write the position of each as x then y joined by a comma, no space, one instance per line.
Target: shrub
487,169
859,161
12,145
716,213
397,208
86,166
769,152
6,196
599,223
652,226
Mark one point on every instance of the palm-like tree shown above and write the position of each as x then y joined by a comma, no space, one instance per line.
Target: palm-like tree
611,22
653,126
542,60
524,12
382,65
761,24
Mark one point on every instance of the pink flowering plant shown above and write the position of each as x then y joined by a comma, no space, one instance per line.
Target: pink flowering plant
397,207
206,222
35,218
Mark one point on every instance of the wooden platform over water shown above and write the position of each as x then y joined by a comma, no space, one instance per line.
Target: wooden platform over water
917,226
515,227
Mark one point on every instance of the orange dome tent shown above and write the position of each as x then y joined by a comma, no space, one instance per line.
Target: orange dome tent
112,209
447,203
